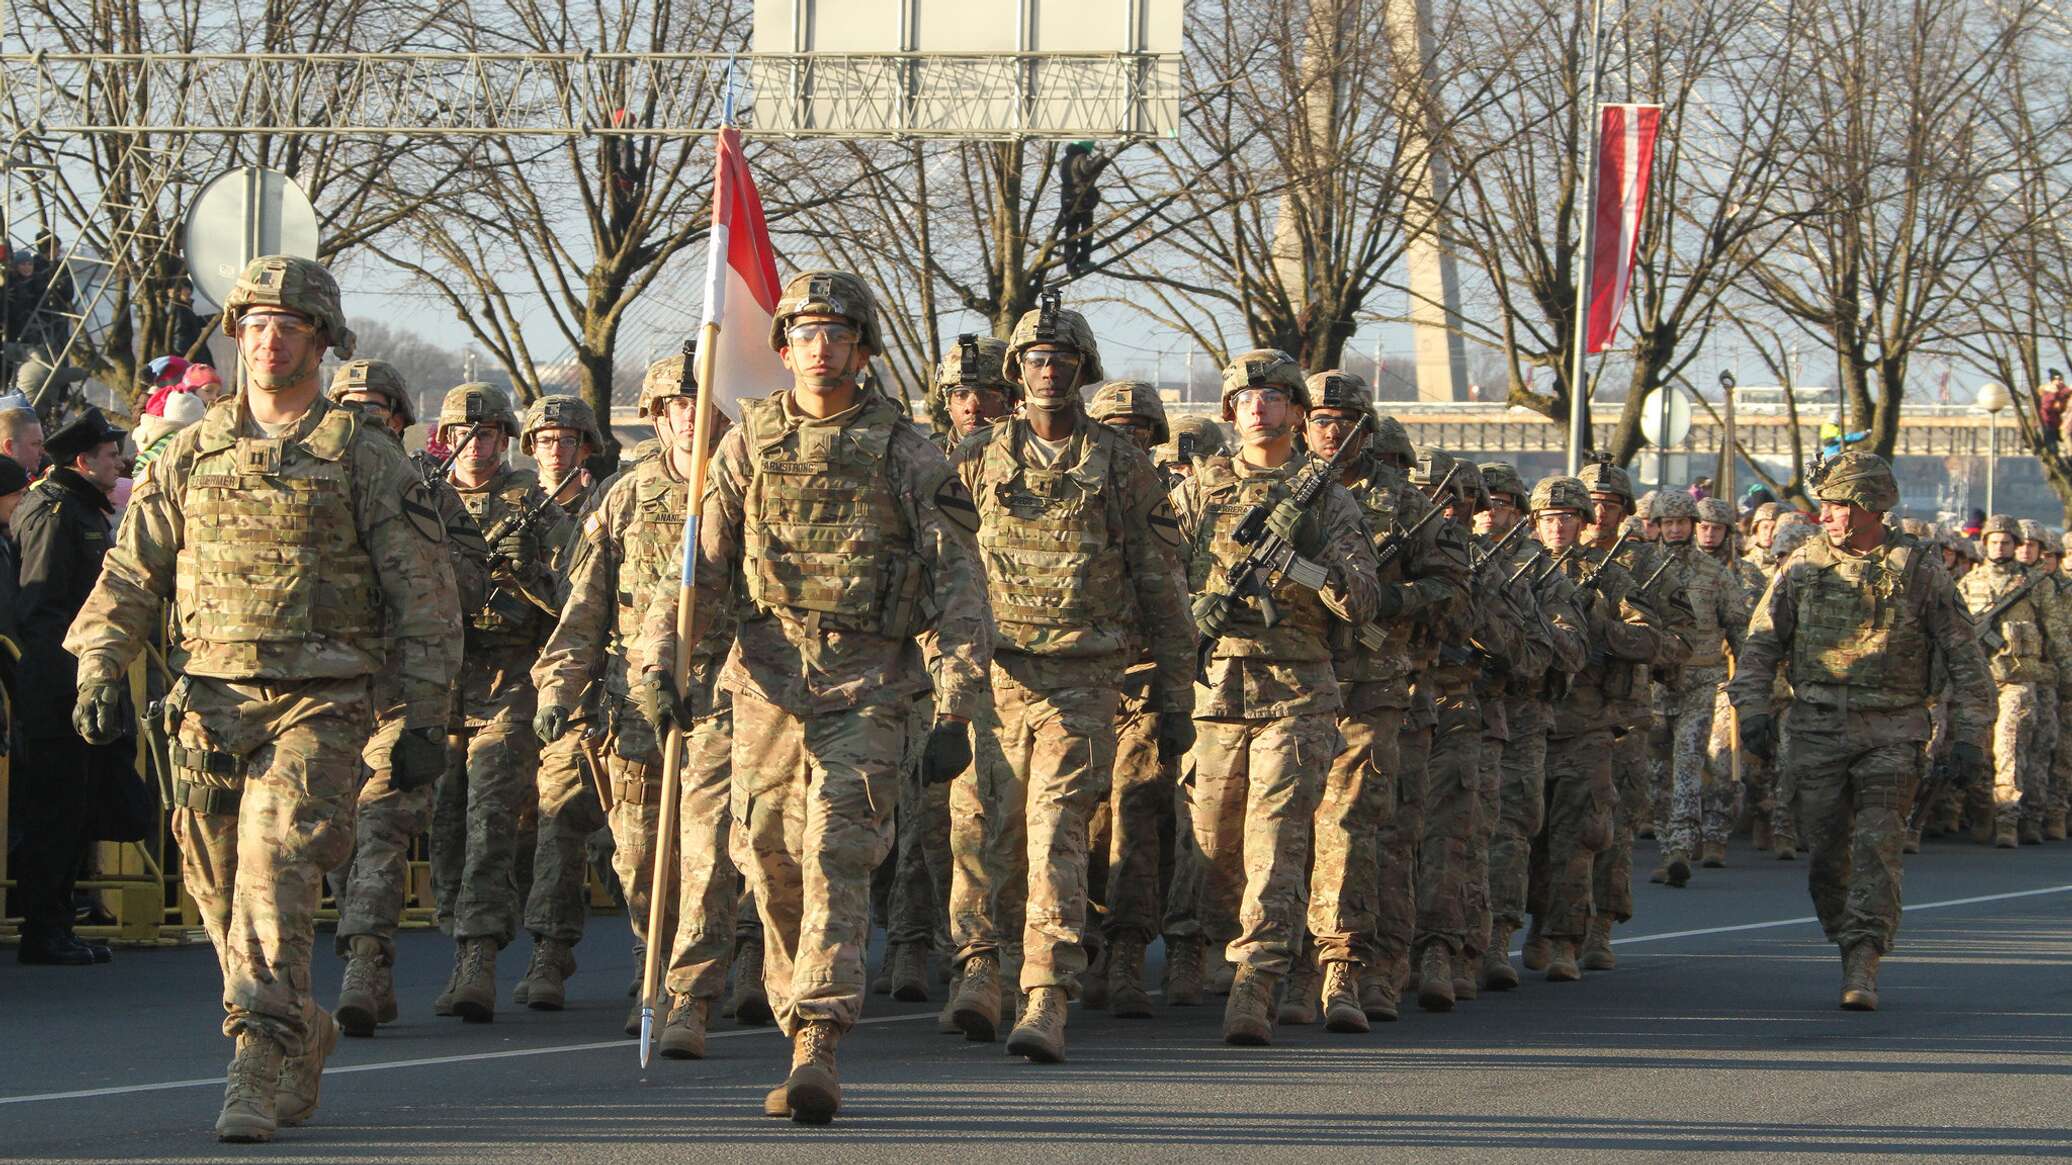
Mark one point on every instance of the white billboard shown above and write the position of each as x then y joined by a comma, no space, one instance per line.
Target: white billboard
1100,69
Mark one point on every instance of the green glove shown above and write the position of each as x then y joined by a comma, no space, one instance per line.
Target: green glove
1175,735
659,703
418,759
1756,738
1284,518
97,715
1211,614
551,722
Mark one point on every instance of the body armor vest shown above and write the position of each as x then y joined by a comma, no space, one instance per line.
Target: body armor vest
1301,635
1051,555
1380,494
506,619
2020,659
1707,583
272,553
1856,629
824,535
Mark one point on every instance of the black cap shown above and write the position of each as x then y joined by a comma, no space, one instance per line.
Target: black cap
13,478
81,435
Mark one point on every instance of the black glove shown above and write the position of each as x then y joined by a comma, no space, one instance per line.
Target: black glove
550,723
1175,735
1755,737
947,753
1968,762
97,715
417,759
659,704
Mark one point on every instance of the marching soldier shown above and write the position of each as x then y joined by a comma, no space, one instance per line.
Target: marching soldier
973,388
303,549
490,783
2043,814
824,662
375,878
1266,717
1195,440
1701,812
2031,655
1078,543
1861,620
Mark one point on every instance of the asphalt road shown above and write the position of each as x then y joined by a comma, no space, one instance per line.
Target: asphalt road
1718,1035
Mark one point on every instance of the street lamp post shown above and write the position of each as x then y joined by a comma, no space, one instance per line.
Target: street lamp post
1992,398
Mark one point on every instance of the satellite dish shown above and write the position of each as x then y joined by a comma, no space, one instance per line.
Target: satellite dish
1665,417
239,216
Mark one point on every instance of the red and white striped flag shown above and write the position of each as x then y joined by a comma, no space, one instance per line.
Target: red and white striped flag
1625,156
741,285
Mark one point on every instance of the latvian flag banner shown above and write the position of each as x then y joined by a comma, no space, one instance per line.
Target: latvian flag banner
1625,156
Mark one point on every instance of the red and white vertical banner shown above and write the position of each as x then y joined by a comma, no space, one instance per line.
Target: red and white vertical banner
741,286
1625,158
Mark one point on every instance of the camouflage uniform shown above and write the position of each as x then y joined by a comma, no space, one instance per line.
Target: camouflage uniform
824,662
297,562
373,883
2027,666
1266,717
1701,813
489,783
1860,665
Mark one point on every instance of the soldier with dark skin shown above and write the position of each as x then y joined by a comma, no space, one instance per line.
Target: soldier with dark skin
372,887
1861,619
275,696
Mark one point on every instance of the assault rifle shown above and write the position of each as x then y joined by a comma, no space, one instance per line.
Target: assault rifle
1941,775
1496,551
1591,581
1271,557
1989,635
433,473
1398,541
503,566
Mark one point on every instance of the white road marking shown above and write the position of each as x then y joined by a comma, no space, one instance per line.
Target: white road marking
628,1045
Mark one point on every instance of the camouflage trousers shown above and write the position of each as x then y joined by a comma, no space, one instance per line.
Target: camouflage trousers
2037,793
1695,808
917,909
1395,897
2019,761
1758,778
989,852
476,812
1853,777
1358,798
1521,773
1183,896
1125,873
1488,792
1451,783
1061,746
569,812
1255,785
372,885
1612,867
1580,802
256,873
812,804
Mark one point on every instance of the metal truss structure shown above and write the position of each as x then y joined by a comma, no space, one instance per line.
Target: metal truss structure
1107,96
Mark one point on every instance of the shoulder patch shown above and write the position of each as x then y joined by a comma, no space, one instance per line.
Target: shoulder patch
955,503
1165,525
423,511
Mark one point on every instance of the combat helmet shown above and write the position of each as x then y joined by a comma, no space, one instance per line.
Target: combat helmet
560,411
2006,524
1644,506
294,284
1715,510
1263,368
1336,388
1131,398
1392,443
1673,503
977,362
378,377
1432,466
2033,531
1051,323
1561,493
1861,479
1469,486
477,404
1604,477
1197,438
828,293
1501,477
670,376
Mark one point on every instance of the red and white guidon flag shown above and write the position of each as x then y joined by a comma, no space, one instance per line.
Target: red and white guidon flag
1625,156
741,285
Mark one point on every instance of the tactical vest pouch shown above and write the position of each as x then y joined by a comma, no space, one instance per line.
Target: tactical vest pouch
2024,639
206,781
900,615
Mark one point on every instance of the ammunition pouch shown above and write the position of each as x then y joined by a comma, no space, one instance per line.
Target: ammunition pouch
901,613
206,781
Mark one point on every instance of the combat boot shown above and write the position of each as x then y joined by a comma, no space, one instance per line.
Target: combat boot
1463,978
474,995
1759,833
946,1022
1248,1016
683,1037
777,1101
1537,948
1785,847
1597,945
248,1094
1713,855
2054,825
367,996
813,1090
1435,978
1127,998
1299,998
976,1006
1497,972
1093,982
545,984
1860,978
1677,870
1183,972
295,1094
1561,962
1221,973
443,1005
1342,1010
2031,831
2004,835
750,1002
1378,998
910,972
1040,1034
1982,828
